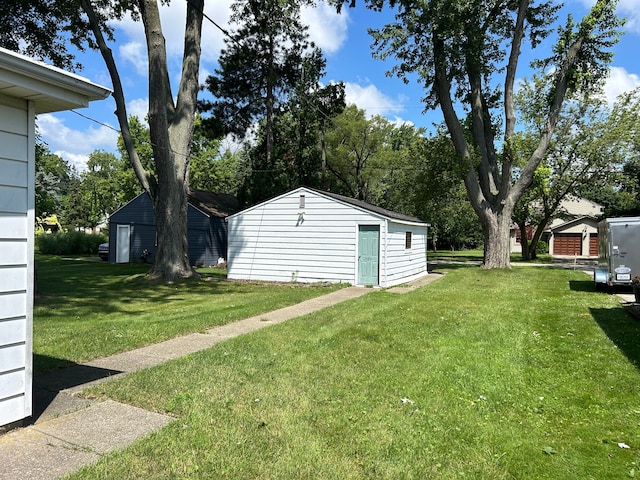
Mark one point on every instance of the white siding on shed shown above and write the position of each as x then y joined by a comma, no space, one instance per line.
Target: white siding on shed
280,240
404,264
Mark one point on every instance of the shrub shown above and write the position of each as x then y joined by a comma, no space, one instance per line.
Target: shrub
68,243
542,247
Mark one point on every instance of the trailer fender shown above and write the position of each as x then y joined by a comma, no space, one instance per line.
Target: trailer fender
601,276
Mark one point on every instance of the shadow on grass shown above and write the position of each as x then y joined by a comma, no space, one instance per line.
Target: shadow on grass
47,386
622,329
443,265
65,287
582,285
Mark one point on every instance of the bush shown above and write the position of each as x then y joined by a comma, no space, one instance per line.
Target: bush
542,247
68,243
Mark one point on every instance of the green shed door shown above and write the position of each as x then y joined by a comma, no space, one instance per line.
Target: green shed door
368,254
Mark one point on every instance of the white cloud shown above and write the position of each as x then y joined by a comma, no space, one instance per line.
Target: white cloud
75,160
626,8
372,100
136,54
630,10
619,82
173,22
138,107
399,121
75,145
327,28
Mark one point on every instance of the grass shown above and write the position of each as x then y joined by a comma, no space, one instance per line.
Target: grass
87,310
517,374
477,256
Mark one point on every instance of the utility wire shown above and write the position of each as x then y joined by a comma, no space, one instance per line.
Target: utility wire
230,37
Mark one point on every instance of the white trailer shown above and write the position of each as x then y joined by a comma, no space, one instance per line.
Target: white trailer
618,252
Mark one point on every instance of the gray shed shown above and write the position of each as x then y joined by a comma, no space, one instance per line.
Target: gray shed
27,88
132,228
308,235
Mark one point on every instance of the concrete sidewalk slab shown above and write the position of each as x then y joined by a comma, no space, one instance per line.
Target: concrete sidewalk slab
65,444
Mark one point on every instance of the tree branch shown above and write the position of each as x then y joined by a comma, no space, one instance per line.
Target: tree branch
161,108
442,87
188,89
509,108
560,91
145,178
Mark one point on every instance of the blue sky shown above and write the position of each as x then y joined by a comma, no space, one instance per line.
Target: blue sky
346,46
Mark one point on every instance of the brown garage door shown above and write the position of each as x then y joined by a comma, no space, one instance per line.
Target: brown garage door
593,245
567,244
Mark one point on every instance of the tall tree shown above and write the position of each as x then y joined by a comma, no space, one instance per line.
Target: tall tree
589,145
102,189
88,22
357,153
457,48
300,149
264,60
53,177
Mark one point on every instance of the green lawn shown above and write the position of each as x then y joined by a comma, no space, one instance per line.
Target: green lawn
87,309
521,374
477,256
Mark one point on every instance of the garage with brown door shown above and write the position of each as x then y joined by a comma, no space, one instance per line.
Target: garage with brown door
593,245
567,244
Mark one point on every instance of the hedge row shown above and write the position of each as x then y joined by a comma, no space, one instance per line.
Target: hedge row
68,243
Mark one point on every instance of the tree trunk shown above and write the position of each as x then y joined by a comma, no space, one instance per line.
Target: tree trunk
496,232
537,236
270,100
170,128
171,131
524,241
170,207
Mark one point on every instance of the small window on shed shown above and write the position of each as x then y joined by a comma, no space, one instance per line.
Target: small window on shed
302,200
407,240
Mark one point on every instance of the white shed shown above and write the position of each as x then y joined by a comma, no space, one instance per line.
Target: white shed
26,89
308,235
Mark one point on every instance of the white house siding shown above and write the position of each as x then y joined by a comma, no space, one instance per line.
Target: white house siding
279,241
16,257
404,264
27,88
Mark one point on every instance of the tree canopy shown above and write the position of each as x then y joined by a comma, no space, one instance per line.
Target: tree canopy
467,53
267,55
87,23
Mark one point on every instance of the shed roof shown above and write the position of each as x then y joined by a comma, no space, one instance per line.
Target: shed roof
51,89
210,203
214,204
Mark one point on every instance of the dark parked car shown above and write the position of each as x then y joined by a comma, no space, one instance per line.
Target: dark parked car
103,251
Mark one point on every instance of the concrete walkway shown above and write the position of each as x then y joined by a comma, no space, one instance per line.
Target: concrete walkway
68,432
